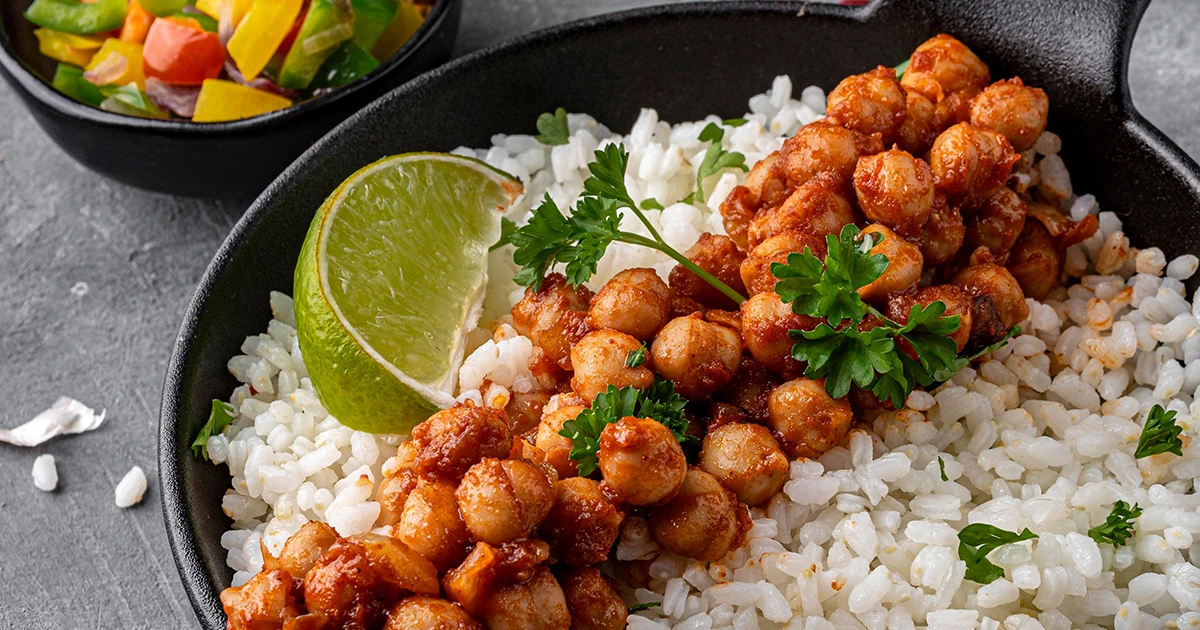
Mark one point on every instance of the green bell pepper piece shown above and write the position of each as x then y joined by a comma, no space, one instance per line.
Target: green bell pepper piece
73,16
69,80
131,101
327,25
163,8
207,23
371,19
350,62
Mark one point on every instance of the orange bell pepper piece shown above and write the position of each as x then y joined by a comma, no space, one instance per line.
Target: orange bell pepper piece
137,23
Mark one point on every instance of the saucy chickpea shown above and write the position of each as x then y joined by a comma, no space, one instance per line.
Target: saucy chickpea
751,390
904,264
304,548
764,183
583,525
356,579
503,500
554,318
594,603
806,420
943,234
1014,110
431,525
922,124
999,284
869,103
704,521
969,161
718,255
699,357
945,63
536,604
997,223
818,207
1036,261
823,146
454,439
599,360
955,298
895,189
747,460
627,447
558,447
429,613
635,302
265,601
756,269
737,211
766,321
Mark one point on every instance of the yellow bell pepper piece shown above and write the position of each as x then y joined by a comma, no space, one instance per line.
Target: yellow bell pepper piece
260,34
408,19
212,8
225,100
132,52
67,48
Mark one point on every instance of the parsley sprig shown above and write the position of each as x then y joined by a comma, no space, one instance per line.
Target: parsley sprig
976,541
658,402
636,357
1159,435
553,128
221,415
579,241
1117,528
716,158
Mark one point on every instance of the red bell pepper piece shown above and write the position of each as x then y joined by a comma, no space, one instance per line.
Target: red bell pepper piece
180,54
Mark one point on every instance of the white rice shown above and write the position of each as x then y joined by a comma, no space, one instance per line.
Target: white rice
45,474
865,537
131,488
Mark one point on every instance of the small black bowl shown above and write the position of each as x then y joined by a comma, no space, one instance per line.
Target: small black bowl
687,61
227,160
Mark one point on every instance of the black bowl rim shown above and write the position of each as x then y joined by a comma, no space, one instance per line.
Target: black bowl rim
180,534
64,105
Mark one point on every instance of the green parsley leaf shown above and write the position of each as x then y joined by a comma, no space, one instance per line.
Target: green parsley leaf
942,469
716,158
507,227
553,128
636,357
690,199
1117,528
550,238
641,607
928,332
902,68
735,122
219,418
843,356
829,290
1159,435
1009,336
712,133
650,203
660,402
976,541
608,176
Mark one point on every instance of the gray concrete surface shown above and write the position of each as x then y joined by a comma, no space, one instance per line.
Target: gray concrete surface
94,277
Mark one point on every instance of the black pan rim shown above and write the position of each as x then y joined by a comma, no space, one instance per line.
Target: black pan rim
179,530
64,106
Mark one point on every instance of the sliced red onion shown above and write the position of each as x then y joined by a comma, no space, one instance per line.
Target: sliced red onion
259,83
180,99
108,70
225,25
328,38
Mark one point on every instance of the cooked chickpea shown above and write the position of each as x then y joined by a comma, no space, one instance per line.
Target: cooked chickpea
756,269
943,234
997,223
554,318
822,146
869,103
536,604
599,360
970,161
818,207
955,298
303,549
472,583
632,446
594,603
454,439
704,521
364,576
895,189
922,124
583,525
557,447
431,525
764,183
999,284
524,409
1036,261
718,255
946,63
429,613
737,211
699,357
392,494
635,301
806,419
503,500
267,600
1012,109
399,568
751,390
766,321
747,460
904,264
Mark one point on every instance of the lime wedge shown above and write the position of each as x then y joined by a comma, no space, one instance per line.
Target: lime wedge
390,281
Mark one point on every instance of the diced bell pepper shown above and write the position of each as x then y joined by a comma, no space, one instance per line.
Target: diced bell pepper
179,54
133,56
131,101
69,80
408,20
212,8
348,63
225,100
65,47
371,19
137,23
327,25
164,8
196,20
73,16
260,33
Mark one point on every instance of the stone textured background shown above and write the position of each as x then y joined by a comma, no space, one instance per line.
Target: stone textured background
94,278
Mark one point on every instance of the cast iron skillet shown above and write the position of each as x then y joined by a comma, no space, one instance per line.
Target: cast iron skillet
687,61
231,160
